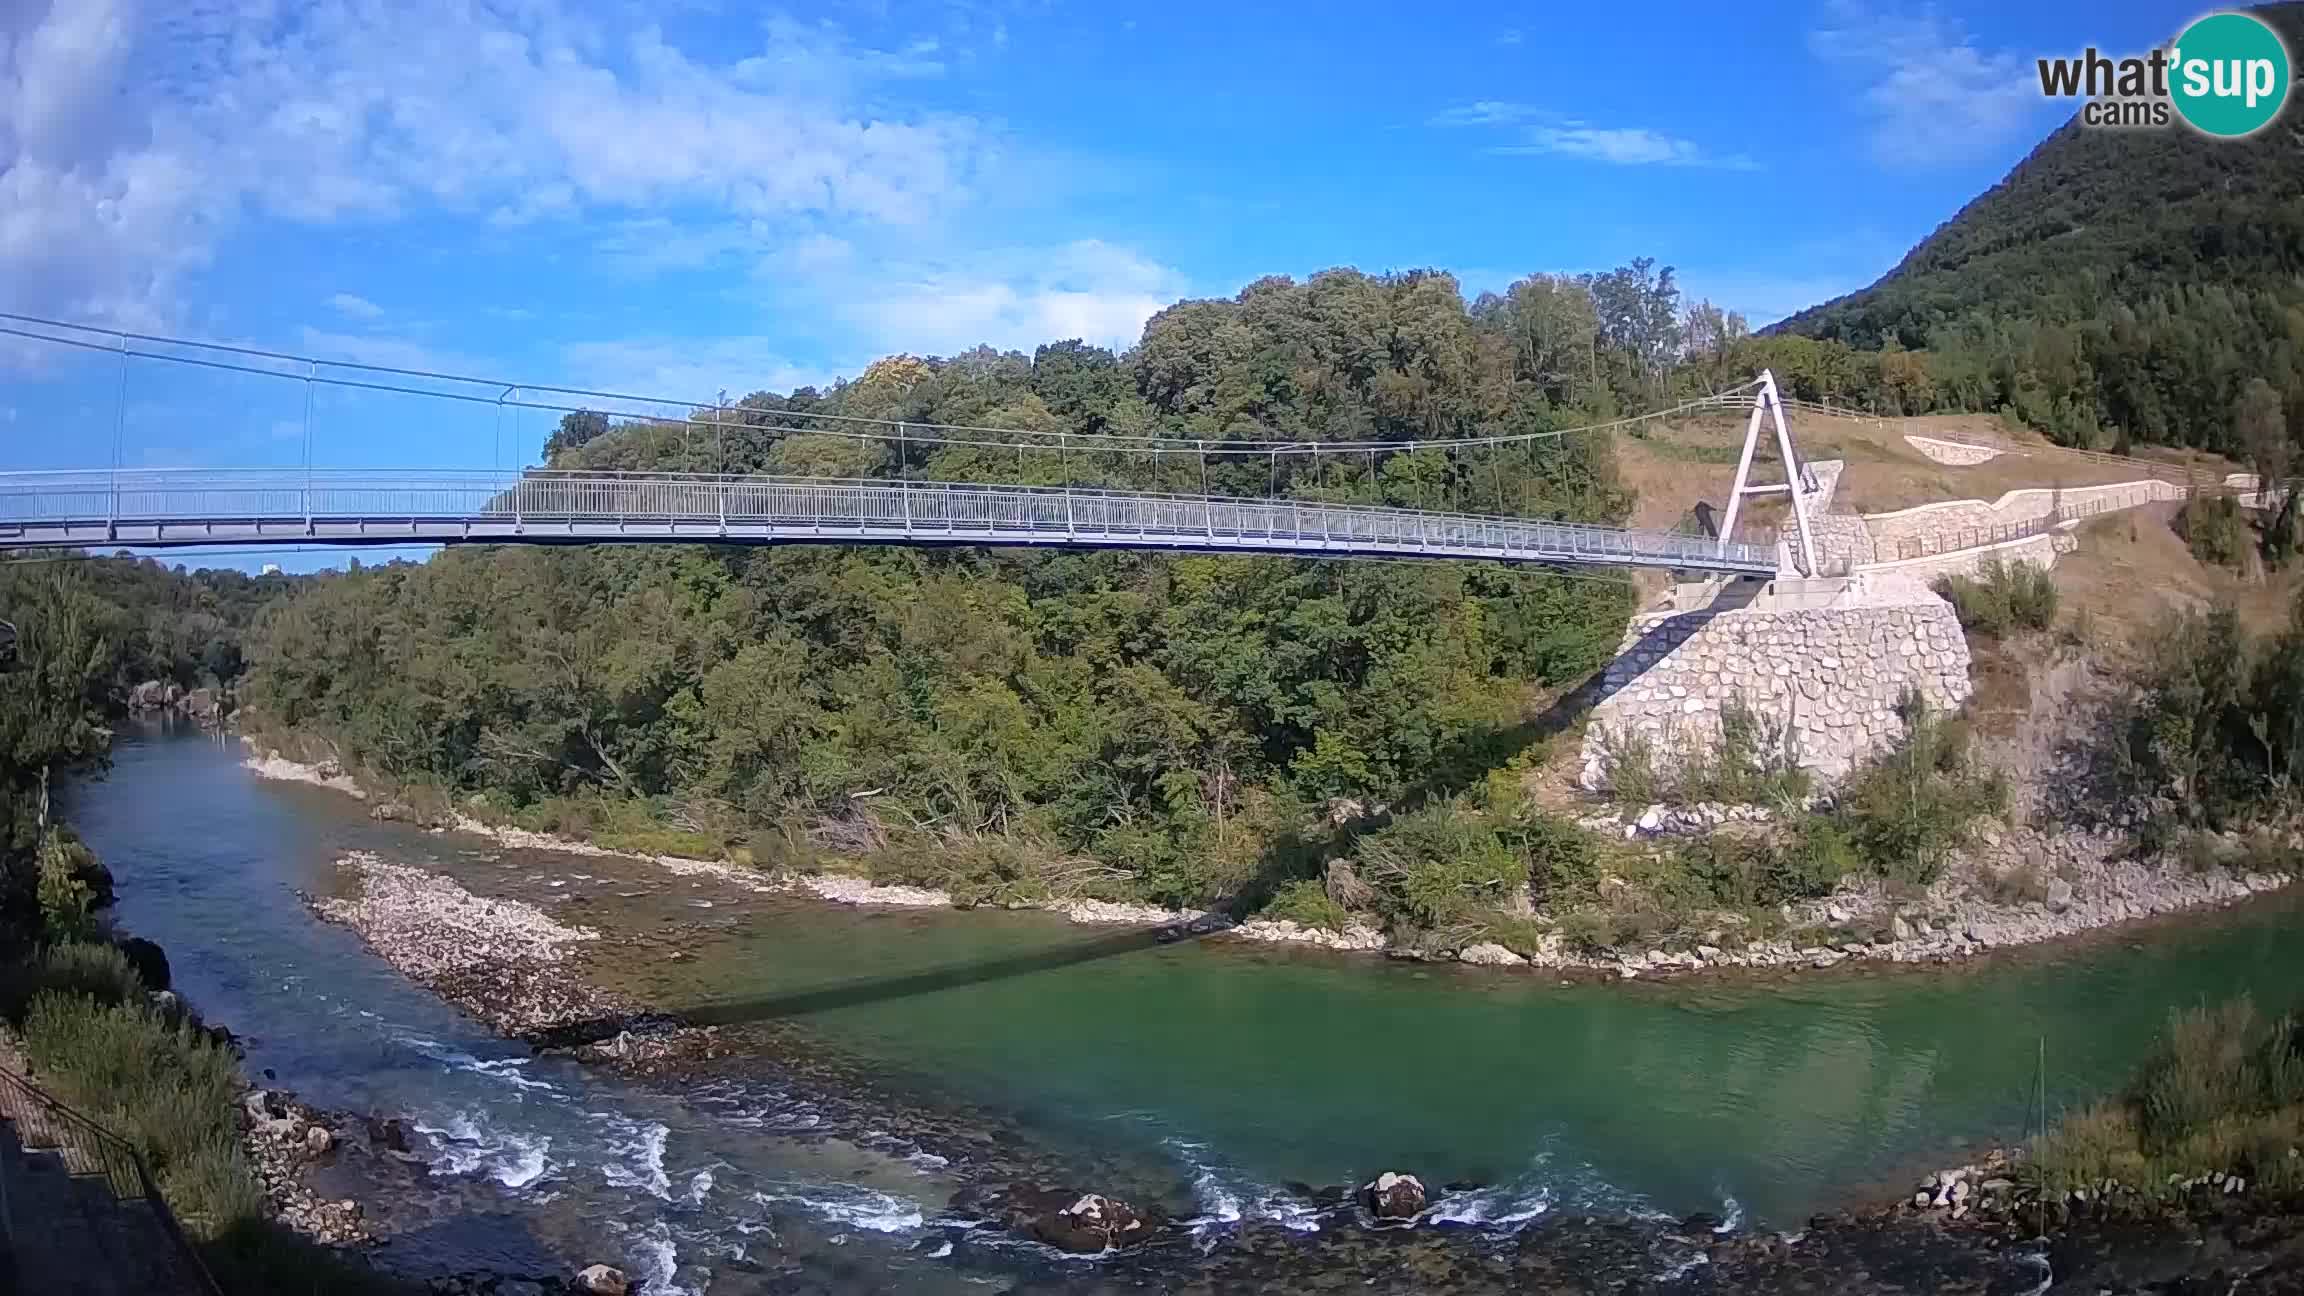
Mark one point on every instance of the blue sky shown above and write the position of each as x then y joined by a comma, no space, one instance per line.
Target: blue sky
689,195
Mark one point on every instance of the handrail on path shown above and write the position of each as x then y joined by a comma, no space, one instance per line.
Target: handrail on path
84,1147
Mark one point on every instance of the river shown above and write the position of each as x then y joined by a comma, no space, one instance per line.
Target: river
1229,1070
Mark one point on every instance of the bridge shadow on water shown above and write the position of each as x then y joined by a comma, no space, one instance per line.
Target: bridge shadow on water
869,990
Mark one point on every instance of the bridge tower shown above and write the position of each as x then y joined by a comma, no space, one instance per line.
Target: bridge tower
1767,403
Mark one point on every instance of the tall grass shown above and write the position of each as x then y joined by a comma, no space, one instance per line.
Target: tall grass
2222,1090
85,968
172,1093
1750,760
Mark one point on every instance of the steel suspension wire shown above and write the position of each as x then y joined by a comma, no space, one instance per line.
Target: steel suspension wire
854,427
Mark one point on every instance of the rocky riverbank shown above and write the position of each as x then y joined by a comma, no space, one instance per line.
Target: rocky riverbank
2084,881
501,961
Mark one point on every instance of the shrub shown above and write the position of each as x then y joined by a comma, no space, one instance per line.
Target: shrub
1907,811
1440,865
2212,1064
1755,761
72,883
1589,931
1306,902
88,969
1810,860
1628,765
1562,858
2003,597
2215,530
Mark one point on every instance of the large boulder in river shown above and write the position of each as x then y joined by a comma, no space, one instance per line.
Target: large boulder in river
1393,1196
387,1133
151,695
149,960
1092,1223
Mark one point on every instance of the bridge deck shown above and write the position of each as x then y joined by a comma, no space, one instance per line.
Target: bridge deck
290,507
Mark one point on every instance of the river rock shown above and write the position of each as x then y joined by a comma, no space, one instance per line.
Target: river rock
150,962
1393,1196
1489,954
317,1140
394,812
2059,895
264,1105
387,1133
603,1280
1092,1223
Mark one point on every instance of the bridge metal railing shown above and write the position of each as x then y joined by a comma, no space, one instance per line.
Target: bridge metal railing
87,1149
55,507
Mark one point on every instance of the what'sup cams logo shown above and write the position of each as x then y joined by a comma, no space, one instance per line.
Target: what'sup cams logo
2227,76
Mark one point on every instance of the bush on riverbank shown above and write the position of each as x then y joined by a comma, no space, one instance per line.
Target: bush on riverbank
172,1092
2222,1091
1906,812
2212,733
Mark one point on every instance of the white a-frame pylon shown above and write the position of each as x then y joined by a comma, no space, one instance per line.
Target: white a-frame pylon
1767,402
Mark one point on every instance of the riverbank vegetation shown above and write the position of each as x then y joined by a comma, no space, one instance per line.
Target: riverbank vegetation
88,631
82,1018
1015,725
2221,1093
2212,735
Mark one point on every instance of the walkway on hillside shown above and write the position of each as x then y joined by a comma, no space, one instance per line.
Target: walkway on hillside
63,1230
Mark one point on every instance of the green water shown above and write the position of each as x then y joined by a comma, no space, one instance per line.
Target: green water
1227,1068
1788,1095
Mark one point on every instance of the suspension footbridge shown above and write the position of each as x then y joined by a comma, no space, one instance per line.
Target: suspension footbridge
118,506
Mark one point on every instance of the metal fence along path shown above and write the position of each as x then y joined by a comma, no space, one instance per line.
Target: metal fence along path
353,507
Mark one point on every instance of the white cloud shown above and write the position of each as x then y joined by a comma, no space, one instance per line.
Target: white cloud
391,353
353,307
1538,131
136,134
1090,290
1486,112
1510,36
1933,95
1623,146
687,371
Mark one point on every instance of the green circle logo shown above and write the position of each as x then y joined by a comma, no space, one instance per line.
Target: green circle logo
2228,75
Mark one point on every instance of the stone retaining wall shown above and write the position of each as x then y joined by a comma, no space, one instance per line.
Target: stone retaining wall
1958,454
2039,550
1835,674
1952,517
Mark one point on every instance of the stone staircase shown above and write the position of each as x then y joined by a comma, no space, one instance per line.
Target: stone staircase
64,1232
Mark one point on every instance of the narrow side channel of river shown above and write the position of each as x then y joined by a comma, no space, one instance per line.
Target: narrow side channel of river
1235,1069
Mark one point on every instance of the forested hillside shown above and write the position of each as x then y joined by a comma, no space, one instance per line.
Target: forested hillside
2118,285
1004,722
